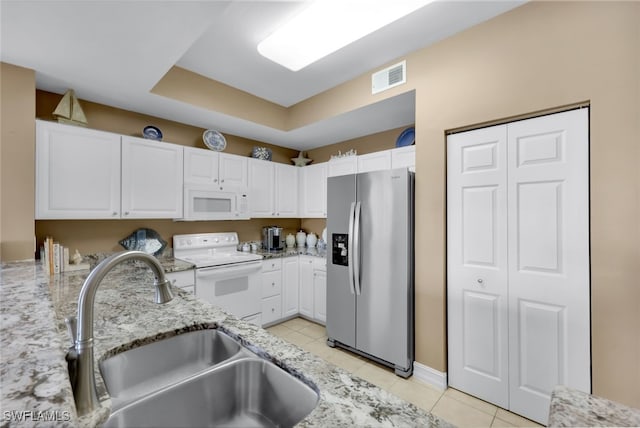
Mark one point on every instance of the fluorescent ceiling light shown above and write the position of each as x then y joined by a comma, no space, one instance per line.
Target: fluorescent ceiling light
328,25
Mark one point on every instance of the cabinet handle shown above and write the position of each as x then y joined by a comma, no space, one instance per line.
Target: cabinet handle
273,284
115,213
273,309
222,181
126,213
215,180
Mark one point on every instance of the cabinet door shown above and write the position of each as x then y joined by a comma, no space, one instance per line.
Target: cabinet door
374,161
286,190
313,191
200,166
271,283
290,285
403,157
151,179
306,286
77,173
342,166
320,296
261,179
233,171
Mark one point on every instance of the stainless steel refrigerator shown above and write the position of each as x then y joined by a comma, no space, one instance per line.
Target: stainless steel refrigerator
370,266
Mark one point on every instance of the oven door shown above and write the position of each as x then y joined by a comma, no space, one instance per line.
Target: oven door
234,288
201,202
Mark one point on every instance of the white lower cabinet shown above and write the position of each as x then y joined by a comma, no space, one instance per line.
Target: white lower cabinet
313,288
271,291
320,290
306,286
290,285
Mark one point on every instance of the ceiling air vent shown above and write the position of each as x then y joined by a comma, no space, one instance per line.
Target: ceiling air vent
389,77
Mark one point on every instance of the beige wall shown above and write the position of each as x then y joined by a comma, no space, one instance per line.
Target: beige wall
17,166
368,144
539,56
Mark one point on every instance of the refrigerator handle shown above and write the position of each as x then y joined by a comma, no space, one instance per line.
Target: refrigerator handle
355,252
350,247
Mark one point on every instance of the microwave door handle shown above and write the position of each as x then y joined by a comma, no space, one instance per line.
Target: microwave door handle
356,250
350,248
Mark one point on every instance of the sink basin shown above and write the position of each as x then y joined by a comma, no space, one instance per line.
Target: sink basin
148,368
202,378
247,392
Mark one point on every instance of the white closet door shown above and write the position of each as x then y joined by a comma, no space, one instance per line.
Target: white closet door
548,206
477,263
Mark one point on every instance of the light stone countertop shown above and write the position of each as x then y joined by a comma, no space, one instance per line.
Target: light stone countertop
34,341
573,408
293,251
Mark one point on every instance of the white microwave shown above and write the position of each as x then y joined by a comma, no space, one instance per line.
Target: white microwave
202,202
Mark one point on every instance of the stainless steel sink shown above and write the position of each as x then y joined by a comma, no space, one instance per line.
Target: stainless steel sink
202,378
249,392
148,368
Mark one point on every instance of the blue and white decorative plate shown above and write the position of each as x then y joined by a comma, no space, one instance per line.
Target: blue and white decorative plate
214,140
152,133
406,137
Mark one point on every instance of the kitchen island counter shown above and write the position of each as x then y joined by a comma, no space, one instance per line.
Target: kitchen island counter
35,383
572,408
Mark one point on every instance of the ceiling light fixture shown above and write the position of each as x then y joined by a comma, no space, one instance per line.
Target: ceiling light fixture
328,25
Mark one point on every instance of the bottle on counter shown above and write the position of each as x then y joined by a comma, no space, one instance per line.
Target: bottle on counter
311,240
301,238
290,240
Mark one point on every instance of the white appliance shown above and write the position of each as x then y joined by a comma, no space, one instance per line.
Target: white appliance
202,202
225,277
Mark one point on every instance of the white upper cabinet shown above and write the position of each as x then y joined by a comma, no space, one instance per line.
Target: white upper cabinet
286,190
313,191
220,169
374,161
404,157
273,188
200,166
342,166
262,188
151,179
77,173
233,171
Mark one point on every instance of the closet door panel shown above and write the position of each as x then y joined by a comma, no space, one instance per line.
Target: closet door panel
477,263
548,194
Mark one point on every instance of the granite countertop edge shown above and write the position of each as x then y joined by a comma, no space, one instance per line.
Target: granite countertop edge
34,340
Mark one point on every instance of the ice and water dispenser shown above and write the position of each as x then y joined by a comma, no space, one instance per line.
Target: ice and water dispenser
339,249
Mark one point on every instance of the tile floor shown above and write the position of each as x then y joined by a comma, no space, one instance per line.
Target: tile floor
451,405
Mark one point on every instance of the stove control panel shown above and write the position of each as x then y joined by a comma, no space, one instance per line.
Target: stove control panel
204,241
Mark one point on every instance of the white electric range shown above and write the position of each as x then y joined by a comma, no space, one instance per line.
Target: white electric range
225,277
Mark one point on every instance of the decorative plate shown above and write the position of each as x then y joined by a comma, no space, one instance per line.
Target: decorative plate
145,240
152,133
406,137
214,140
263,153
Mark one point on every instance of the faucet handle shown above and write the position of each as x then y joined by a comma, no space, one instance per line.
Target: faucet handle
72,328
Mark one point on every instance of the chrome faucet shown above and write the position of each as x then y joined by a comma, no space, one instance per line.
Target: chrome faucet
80,357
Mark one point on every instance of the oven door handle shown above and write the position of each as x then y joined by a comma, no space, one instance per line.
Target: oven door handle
226,270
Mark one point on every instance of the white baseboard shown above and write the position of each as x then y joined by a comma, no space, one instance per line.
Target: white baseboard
430,376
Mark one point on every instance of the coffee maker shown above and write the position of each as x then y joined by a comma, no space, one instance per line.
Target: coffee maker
272,238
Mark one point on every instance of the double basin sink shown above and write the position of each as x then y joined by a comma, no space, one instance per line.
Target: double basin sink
202,378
